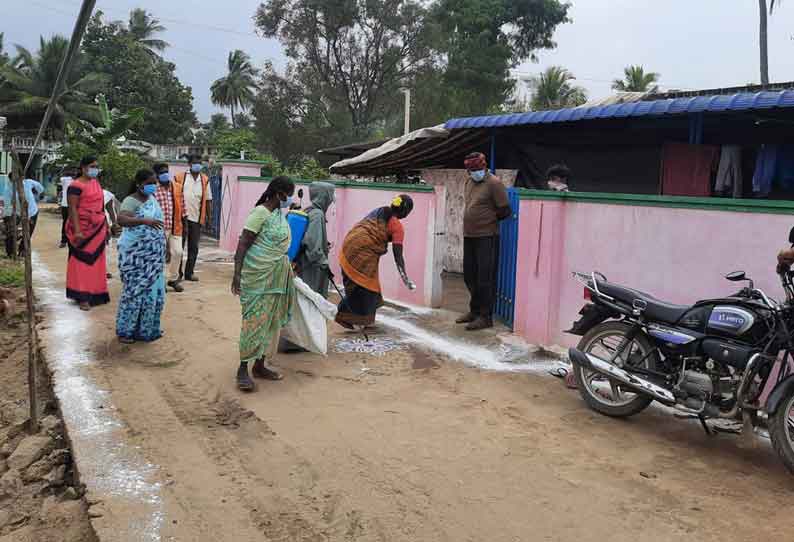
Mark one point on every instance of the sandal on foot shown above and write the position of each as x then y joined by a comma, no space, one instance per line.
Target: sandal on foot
244,382
266,374
85,307
126,340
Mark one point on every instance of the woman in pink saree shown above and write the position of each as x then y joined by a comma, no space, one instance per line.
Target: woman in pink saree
87,233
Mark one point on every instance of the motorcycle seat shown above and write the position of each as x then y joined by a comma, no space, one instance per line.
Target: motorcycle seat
656,309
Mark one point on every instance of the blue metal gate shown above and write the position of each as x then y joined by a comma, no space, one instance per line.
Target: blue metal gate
508,256
213,225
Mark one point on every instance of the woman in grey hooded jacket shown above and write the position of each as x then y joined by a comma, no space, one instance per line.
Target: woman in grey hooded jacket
312,261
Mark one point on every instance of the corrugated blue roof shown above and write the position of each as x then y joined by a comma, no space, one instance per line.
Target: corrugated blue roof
654,108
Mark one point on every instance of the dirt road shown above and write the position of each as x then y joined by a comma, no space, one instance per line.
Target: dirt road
409,446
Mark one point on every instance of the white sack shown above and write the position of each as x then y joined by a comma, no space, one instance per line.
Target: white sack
308,328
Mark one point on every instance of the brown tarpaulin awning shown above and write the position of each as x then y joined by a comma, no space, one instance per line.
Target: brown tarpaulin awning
426,148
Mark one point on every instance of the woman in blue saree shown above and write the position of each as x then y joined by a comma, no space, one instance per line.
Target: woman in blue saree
142,258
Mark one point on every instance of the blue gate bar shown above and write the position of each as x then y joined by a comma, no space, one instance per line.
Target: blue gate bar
504,308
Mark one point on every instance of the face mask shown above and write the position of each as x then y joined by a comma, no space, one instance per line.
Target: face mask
286,203
165,178
195,168
93,172
477,176
149,189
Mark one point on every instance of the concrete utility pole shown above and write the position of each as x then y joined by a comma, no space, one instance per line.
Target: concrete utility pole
407,92
20,173
3,122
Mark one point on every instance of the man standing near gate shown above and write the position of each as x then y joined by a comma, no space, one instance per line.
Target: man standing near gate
172,203
195,189
486,203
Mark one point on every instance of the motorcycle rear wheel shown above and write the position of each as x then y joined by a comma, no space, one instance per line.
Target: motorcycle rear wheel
621,403
781,431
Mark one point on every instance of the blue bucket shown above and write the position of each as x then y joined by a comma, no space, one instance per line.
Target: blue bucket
298,222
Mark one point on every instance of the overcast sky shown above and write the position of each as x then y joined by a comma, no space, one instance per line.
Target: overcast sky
692,43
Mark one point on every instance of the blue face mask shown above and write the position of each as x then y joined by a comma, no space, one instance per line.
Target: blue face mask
149,189
93,172
477,176
165,178
286,203
195,168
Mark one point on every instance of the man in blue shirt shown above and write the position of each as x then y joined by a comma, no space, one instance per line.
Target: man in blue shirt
33,189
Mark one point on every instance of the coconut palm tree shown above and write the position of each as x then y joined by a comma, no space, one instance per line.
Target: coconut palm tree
764,38
236,89
637,80
3,55
554,90
142,27
29,80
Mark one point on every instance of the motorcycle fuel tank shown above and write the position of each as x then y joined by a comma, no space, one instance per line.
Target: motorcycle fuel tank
732,321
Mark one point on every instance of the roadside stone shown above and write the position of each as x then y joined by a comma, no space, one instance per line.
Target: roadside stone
25,534
49,424
55,478
10,483
45,465
12,413
37,471
30,450
70,494
7,449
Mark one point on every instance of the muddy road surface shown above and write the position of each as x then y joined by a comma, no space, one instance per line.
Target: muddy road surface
406,445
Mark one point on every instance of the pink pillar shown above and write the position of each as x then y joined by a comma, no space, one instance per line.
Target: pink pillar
240,183
538,269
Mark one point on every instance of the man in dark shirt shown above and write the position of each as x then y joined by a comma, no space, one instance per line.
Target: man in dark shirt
486,203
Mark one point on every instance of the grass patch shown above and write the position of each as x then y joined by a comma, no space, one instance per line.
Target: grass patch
12,274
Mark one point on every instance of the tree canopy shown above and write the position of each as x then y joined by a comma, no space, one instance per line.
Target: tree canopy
636,79
554,89
139,79
350,56
483,40
29,80
349,59
236,88
142,27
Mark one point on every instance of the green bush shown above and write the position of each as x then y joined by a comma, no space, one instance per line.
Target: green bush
12,274
119,169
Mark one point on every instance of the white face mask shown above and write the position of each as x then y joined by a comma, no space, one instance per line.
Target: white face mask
477,176
286,203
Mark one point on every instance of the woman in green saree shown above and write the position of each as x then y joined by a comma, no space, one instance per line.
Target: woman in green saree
263,280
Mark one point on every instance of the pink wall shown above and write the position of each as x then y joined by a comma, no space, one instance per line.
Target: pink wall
239,198
352,205
678,255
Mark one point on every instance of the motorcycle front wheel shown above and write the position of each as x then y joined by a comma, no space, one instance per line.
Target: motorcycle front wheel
601,393
781,431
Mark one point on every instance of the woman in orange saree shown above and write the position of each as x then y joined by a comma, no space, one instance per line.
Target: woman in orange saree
87,233
360,258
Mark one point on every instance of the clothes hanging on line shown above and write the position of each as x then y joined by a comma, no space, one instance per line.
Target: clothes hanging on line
729,173
765,168
687,169
784,175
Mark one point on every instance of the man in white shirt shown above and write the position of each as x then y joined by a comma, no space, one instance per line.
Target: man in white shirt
66,180
111,216
194,186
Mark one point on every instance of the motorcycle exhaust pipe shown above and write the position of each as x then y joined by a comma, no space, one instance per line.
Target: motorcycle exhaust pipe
592,363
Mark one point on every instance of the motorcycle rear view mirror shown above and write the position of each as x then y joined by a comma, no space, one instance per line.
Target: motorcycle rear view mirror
300,196
736,276
791,236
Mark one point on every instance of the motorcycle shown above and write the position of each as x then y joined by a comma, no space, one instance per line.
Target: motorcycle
728,358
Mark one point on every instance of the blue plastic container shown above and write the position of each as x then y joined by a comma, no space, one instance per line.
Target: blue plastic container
298,222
